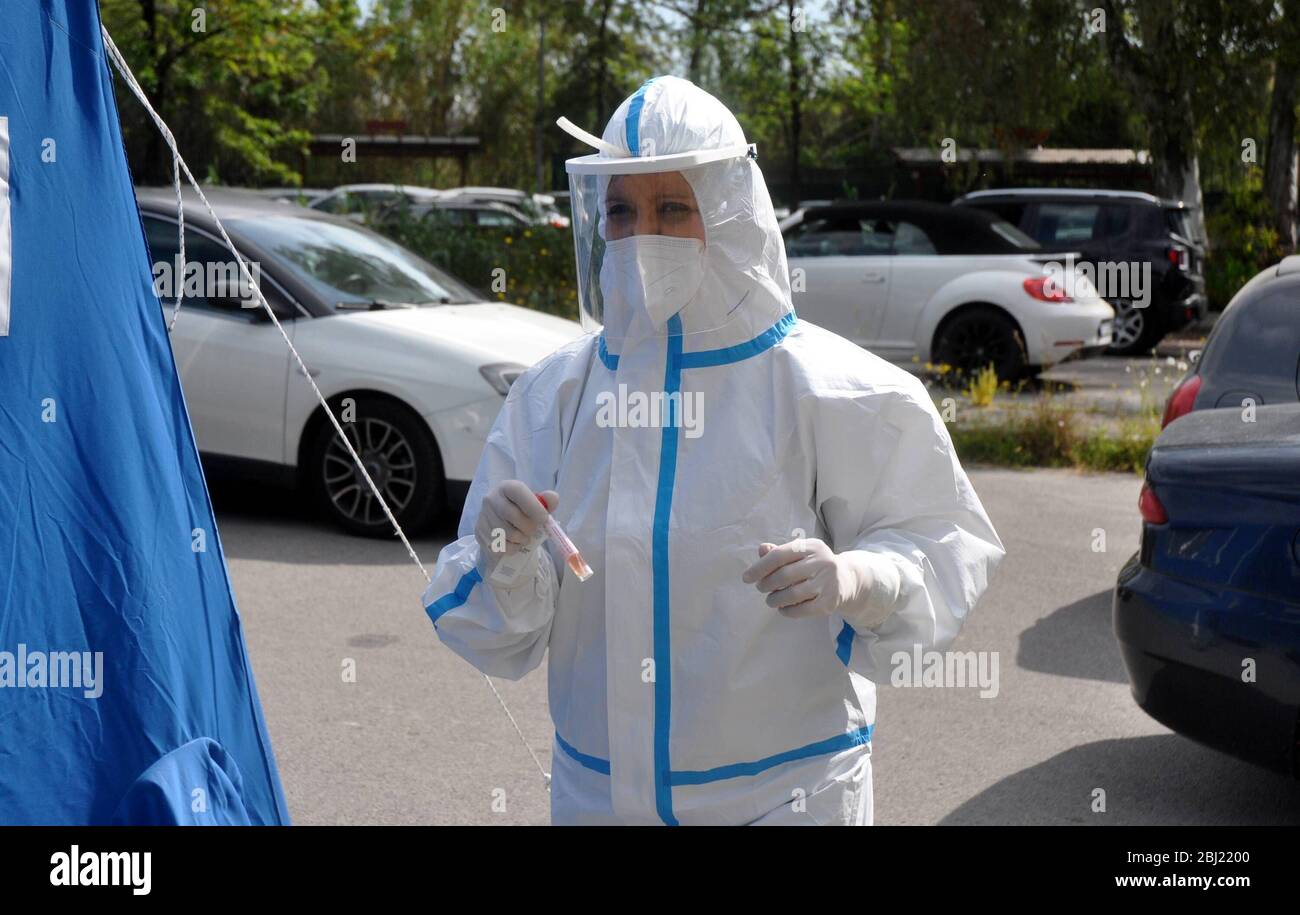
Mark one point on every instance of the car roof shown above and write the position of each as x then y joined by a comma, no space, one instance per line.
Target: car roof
229,203
489,191
505,194
1067,193
921,211
414,190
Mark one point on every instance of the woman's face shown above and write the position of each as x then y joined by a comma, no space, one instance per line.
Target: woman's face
654,204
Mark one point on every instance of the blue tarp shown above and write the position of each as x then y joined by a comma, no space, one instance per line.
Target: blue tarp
109,555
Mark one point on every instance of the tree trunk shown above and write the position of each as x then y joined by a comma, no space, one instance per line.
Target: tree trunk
540,126
699,32
153,144
1164,96
602,67
796,106
1280,153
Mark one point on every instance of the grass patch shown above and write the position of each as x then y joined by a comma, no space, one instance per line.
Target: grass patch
1049,434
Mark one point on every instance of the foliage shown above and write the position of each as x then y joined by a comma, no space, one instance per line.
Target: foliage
1245,242
530,266
982,387
238,81
1052,434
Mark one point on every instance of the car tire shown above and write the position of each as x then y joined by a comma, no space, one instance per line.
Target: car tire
1135,332
401,457
980,336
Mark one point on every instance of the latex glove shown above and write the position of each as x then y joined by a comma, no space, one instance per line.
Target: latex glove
510,521
806,578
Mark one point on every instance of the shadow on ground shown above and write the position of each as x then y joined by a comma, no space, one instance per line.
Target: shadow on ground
1074,641
280,525
1160,780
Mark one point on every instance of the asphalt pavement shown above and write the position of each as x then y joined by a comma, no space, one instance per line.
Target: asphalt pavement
374,722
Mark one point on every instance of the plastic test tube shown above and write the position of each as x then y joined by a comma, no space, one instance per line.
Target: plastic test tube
572,558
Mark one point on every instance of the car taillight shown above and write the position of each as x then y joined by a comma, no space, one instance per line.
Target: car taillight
1152,511
1178,257
1046,289
1181,400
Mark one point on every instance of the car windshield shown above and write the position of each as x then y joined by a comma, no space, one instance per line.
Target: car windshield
350,267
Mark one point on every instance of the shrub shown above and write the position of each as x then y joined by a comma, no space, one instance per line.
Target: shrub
1243,242
530,266
982,387
1049,434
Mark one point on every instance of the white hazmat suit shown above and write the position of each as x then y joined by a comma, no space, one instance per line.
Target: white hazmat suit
678,694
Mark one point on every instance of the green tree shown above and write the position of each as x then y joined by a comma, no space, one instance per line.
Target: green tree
237,80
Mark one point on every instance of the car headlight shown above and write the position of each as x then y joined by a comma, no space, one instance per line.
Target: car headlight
501,375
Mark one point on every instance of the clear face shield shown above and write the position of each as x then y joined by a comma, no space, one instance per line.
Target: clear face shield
668,244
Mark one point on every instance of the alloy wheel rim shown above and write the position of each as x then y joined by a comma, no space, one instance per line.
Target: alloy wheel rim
977,344
1128,325
388,458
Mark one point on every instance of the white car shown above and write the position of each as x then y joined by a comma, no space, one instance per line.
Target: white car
359,201
541,208
928,283
415,363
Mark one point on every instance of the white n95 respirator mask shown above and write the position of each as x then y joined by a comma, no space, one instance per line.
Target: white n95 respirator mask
655,274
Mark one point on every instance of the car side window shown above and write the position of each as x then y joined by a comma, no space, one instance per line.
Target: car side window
912,239
1114,220
1066,223
452,216
496,219
214,284
822,238
338,203
840,236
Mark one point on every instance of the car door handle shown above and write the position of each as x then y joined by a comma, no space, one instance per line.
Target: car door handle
873,277
310,371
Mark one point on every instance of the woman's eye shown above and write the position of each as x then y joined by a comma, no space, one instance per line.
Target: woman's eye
674,209
618,211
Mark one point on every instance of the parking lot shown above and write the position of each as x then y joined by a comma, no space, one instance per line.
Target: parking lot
420,738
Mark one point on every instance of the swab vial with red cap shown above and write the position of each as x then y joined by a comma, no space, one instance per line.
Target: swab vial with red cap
572,558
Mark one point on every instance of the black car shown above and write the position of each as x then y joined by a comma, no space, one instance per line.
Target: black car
1253,353
1113,228
1207,613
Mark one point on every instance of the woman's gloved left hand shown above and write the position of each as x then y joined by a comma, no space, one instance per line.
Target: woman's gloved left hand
806,578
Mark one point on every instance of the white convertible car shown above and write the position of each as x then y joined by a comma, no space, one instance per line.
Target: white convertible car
929,283
416,363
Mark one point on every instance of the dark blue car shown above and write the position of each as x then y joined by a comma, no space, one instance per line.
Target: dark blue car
1208,612
1253,354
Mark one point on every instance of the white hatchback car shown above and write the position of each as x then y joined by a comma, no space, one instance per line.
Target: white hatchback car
930,283
416,363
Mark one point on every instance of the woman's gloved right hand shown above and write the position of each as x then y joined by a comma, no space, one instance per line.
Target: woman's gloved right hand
509,521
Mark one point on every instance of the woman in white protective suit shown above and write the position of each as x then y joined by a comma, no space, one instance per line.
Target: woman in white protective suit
771,512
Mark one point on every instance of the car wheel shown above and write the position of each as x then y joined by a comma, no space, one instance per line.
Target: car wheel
1135,331
401,457
982,336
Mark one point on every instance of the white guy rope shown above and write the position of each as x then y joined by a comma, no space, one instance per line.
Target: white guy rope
180,164
178,278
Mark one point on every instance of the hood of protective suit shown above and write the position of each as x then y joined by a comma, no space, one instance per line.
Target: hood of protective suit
736,284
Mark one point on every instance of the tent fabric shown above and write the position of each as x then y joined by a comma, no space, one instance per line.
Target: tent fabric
109,552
